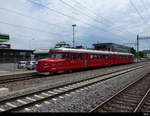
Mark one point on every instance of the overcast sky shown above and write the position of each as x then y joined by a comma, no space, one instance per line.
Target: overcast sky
42,23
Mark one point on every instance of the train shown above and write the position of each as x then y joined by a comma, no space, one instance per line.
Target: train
68,59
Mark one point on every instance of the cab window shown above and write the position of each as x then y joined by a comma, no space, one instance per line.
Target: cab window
52,55
58,55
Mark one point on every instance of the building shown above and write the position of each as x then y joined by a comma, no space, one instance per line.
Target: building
111,47
146,53
9,55
41,53
14,55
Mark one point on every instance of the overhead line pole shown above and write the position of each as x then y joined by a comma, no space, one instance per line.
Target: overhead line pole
137,47
139,38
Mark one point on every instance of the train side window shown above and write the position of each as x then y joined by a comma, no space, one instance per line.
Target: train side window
80,57
107,57
96,57
91,57
103,57
65,56
99,57
73,56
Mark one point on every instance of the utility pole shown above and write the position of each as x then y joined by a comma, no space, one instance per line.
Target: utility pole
73,34
140,38
137,47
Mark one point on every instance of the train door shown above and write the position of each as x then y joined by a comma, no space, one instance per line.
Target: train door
114,59
73,60
86,60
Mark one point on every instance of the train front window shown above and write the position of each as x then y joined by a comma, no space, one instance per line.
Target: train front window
52,55
59,55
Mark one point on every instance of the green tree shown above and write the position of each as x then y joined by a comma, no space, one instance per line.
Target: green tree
141,54
133,51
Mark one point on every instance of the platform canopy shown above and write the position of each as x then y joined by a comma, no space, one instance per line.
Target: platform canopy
4,37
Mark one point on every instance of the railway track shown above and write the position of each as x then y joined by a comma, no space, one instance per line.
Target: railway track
133,98
22,102
35,76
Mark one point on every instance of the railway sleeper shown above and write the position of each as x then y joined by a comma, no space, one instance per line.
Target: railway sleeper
123,103
120,106
130,95
131,100
114,109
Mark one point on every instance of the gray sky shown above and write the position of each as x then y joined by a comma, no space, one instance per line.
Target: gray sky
43,23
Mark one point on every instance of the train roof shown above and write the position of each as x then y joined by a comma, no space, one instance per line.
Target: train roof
88,51
41,51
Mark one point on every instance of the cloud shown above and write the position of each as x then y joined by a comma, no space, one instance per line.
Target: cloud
97,21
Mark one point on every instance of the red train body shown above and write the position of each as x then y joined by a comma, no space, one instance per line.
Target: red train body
62,59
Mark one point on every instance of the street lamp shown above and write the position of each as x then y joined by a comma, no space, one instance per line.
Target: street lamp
73,33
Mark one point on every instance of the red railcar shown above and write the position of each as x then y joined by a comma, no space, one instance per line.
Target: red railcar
61,59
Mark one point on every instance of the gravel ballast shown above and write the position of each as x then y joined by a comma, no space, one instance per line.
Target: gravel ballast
84,100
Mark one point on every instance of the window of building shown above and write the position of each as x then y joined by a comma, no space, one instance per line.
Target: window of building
80,57
73,56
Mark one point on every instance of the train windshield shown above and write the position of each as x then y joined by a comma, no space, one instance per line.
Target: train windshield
59,55
52,55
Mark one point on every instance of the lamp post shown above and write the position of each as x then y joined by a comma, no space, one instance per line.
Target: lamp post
73,34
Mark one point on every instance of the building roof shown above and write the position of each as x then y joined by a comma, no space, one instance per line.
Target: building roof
8,49
87,51
113,44
41,51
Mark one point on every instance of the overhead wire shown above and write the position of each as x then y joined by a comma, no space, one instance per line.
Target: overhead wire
142,18
142,1
99,16
68,16
31,17
20,26
91,16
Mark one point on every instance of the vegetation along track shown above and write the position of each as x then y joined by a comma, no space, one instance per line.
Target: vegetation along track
35,76
27,100
133,98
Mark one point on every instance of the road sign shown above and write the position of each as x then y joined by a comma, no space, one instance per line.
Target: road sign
4,38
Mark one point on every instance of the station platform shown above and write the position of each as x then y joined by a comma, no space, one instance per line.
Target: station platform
19,72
